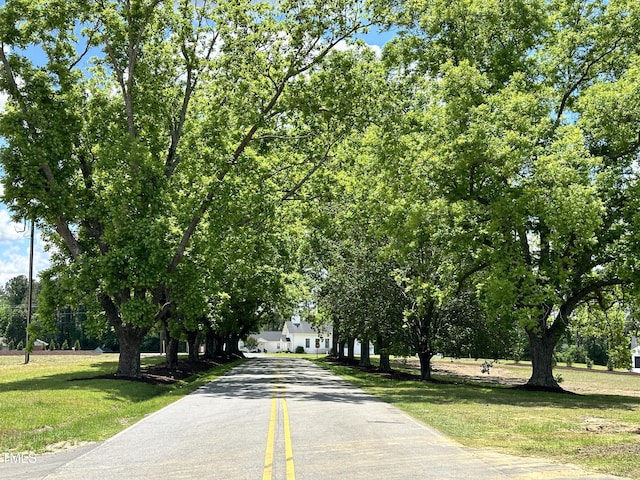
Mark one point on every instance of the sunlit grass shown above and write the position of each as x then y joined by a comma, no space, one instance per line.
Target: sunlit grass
43,405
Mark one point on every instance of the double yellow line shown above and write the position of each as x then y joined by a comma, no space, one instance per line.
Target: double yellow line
267,473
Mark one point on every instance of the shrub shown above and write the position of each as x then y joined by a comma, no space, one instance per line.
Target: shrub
76,345
20,345
299,349
65,345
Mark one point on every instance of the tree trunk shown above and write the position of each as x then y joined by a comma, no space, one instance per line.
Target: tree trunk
171,359
231,345
193,338
218,345
365,357
213,345
351,348
385,363
209,345
335,346
425,365
170,347
336,341
130,338
542,347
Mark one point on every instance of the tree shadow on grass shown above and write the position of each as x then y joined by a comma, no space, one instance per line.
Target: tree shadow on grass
100,376
405,387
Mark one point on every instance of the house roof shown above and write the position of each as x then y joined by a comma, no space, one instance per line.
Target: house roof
268,336
304,327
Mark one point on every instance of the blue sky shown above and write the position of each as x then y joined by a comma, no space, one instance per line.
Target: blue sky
14,237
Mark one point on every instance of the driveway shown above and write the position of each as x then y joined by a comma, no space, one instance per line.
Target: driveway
282,418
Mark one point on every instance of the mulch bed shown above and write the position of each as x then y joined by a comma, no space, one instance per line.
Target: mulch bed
161,375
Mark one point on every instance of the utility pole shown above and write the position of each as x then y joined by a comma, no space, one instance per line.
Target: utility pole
29,293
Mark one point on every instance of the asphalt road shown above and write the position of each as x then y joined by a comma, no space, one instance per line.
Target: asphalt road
281,418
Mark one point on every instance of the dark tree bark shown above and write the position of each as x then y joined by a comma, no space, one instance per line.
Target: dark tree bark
351,348
385,363
213,345
170,347
542,345
335,340
341,345
231,345
171,355
209,345
543,340
365,357
193,339
425,365
130,339
542,362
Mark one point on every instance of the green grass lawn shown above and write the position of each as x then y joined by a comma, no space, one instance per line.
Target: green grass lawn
597,430
43,405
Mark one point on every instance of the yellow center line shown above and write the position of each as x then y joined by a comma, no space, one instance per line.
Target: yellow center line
268,456
288,449
278,391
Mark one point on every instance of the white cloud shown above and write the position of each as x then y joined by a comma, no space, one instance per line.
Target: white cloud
14,250
14,259
342,45
13,262
11,231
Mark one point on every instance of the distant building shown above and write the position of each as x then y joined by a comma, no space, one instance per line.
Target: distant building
294,334
635,355
303,334
271,341
3,344
40,345
297,333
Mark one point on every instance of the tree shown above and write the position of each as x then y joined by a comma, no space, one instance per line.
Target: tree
362,297
251,343
520,127
123,158
600,330
15,290
13,298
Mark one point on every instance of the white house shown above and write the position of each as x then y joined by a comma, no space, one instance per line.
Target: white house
294,334
270,341
297,333
302,334
635,355
3,344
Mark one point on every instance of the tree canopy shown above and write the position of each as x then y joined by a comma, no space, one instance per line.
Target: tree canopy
188,160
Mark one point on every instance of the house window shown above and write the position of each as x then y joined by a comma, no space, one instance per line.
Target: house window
307,342
326,343
637,362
